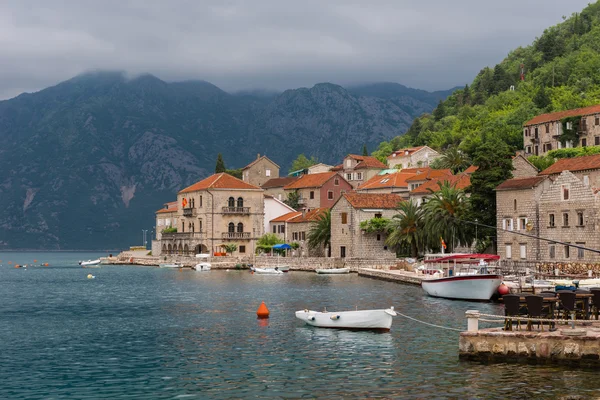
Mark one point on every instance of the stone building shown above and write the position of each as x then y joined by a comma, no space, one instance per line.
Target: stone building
522,167
318,168
423,190
319,190
347,238
412,157
279,226
166,218
260,170
391,181
274,186
217,210
297,230
543,132
358,169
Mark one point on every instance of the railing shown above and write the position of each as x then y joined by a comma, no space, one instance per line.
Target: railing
236,235
182,235
301,200
189,212
236,210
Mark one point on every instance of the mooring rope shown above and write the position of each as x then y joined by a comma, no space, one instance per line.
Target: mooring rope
427,323
564,321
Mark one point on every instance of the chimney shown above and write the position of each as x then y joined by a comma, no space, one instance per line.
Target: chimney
257,156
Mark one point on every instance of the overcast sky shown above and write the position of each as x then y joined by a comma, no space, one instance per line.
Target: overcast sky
272,44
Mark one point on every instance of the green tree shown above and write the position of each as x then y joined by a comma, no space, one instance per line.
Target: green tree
301,162
407,227
230,248
235,172
440,111
454,159
320,231
293,199
220,166
267,241
542,99
444,213
365,152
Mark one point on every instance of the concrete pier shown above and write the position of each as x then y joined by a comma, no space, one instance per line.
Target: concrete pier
392,275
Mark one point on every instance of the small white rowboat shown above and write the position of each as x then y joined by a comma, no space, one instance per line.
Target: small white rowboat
333,271
268,271
89,263
360,319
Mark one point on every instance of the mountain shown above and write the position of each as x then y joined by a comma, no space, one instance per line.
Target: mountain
560,72
84,164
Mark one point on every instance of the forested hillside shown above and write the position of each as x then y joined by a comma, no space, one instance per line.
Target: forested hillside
561,71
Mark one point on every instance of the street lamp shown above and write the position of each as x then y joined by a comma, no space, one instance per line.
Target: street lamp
144,232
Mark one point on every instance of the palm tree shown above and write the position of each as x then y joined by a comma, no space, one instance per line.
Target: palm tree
453,159
443,214
320,231
407,227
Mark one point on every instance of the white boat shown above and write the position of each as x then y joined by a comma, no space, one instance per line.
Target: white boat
170,265
203,266
267,271
333,271
359,319
463,276
89,263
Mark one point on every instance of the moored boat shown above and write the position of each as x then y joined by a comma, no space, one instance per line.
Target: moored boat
89,263
267,271
333,271
203,266
462,277
170,265
360,319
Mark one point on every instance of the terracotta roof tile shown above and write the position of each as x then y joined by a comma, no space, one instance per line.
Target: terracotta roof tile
402,152
556,116
474,168
373,200
338,167
219,181
287,217
312,180
312,215
573,164
460,181
278,182
521,183
395,180
169,207
428,173
365,162
257,160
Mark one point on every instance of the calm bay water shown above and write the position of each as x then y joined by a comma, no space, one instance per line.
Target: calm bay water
150,333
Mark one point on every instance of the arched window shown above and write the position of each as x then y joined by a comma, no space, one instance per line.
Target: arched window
231,227
240,227
231,202
240,202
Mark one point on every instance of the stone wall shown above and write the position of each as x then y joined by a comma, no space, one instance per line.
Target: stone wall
257,174
550,134
341,234
523,168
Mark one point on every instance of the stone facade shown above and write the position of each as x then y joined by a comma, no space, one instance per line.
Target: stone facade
523,168
319,190
166,218
359,169
412,157
542,133
347,238
259,171
298,232
213,215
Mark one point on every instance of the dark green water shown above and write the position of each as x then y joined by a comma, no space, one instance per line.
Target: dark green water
150,333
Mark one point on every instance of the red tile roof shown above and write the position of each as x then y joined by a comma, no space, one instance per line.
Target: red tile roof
278,182
312,180
219,181
367,162
460,181
474,168
521,183
402,152
556,116
573,164
373,200
338,167
257,160
395,180
169,207
312,215
428,173
287,217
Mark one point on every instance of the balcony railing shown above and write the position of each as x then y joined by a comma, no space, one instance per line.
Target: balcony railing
301,200
236,235
236,210
182,235
189,212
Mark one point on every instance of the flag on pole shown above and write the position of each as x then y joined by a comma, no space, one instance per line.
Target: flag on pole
443,243
184,202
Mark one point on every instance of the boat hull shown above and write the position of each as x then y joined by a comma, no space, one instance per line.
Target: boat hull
202,267
466,287
90,263
169,266
267,271
363,319
333,271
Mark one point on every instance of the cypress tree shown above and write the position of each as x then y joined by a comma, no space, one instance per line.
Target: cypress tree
220,167
365,152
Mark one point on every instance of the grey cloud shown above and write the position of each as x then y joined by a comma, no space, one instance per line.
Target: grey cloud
273,44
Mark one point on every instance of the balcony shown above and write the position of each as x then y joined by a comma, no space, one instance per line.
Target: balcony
189,212
182,235
301,200
236,210
582,130
236,235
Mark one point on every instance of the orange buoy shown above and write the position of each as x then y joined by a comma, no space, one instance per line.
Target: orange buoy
34,260
263,311
503,289
45,265
10,262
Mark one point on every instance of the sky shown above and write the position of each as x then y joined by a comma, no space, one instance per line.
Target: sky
267,44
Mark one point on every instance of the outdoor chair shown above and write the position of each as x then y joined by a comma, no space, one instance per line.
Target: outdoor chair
537,309
512,308
595,301
568,304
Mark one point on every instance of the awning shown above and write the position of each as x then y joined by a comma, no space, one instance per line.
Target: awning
283,246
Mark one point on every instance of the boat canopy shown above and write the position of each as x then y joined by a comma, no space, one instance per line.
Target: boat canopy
283,246
465,258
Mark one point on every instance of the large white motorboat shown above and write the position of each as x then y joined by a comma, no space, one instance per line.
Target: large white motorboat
333,271
90,263
462,276
359,319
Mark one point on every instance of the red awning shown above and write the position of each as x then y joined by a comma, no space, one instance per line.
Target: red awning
465,258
